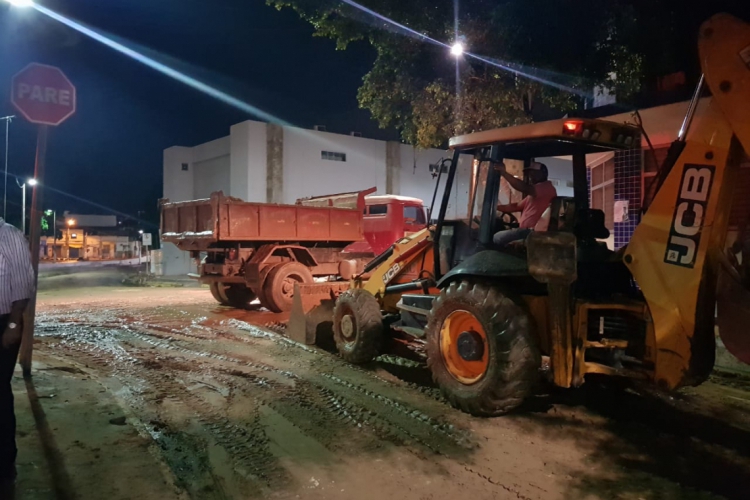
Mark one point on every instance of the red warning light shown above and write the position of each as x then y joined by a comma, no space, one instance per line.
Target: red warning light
573,127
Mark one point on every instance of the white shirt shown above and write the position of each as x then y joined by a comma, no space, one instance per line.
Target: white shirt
16,273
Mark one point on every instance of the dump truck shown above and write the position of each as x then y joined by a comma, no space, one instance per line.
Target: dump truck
489,320
259,250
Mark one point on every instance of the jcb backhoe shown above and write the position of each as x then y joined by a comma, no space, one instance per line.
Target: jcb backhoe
487,316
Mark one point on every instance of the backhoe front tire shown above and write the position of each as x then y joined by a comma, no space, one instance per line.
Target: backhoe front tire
497,364
357,326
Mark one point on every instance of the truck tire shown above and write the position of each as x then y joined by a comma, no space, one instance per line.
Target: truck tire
261,291
480,349
232,295
239,296
357,326
278,289
217,290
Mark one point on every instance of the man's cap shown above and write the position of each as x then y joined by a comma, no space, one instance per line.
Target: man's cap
535,165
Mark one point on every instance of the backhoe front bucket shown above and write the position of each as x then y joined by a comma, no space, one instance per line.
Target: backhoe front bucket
312,311
733,313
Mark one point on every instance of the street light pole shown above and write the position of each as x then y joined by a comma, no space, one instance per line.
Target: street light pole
32,183
7,119
54,233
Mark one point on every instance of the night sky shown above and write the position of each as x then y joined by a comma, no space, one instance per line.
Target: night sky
110,152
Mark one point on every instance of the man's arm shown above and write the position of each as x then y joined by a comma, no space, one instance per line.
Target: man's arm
17,257
517,184
510,208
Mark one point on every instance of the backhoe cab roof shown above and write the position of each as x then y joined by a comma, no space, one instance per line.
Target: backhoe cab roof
562,137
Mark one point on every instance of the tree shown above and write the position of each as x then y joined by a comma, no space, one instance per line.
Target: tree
547,53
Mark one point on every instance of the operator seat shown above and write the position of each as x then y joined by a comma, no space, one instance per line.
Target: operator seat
543,223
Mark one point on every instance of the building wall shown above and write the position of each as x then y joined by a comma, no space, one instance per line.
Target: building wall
248,161
211,175
306,173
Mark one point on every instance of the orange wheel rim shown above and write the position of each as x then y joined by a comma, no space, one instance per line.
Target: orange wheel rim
458,322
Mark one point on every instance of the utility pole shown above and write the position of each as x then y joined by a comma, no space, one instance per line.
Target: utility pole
7,119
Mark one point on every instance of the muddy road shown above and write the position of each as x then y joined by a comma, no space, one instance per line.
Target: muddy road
159,393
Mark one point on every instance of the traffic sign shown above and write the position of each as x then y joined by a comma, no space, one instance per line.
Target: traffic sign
43,94
146,239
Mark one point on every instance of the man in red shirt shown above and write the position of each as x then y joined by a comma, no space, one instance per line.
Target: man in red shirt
539,194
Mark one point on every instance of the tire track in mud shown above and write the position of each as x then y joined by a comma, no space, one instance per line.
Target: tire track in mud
329,363
172,370
159,398
392,420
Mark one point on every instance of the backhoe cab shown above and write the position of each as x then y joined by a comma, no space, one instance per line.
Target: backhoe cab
488,317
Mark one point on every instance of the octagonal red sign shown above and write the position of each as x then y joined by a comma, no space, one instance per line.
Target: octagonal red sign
43,94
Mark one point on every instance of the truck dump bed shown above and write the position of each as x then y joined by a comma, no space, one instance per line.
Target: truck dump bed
197,224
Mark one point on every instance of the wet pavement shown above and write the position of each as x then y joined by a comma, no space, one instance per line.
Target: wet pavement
159,393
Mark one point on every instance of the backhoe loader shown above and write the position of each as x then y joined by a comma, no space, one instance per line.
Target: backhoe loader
487,317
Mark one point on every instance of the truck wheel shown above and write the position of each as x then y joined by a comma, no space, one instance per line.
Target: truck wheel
357,326
261,292
233,295
217,290
239,296
278,289
480,349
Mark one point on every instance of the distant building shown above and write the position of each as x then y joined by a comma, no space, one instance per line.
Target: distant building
91,237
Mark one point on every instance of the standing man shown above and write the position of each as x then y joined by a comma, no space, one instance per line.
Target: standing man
539,194
16,289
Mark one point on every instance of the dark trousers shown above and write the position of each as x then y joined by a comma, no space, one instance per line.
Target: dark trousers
8,449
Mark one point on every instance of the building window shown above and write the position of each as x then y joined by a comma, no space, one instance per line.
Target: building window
185,167
603,191
331,156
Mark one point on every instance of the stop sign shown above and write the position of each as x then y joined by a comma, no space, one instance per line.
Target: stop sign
43,94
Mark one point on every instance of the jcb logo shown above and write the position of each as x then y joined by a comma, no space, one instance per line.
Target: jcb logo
388,276
692,201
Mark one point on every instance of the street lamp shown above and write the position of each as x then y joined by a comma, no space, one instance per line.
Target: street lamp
71,222
32,183
457,50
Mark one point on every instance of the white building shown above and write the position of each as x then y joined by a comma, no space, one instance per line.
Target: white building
271,163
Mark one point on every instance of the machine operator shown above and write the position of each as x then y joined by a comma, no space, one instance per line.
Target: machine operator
539,193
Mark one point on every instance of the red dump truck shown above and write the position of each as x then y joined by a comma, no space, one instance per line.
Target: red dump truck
259,250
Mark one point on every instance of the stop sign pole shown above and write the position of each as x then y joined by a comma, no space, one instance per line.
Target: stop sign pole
44,96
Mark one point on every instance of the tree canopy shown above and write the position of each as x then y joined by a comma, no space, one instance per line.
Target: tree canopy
551,53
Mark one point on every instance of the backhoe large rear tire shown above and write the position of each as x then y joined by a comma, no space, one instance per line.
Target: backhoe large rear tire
481,350
357,326
278,288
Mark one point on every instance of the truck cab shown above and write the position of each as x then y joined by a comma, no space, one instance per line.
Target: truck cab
387,219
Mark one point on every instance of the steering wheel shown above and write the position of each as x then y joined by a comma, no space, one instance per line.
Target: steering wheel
508,220
505,220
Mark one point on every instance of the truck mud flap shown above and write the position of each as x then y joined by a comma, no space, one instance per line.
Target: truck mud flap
311,320
733,313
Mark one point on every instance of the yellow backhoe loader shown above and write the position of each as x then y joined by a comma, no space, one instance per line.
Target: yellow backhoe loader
486,317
